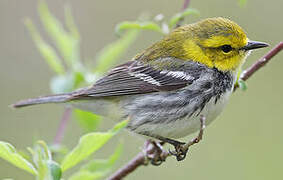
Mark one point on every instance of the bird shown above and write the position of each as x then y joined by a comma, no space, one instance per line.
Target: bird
165,90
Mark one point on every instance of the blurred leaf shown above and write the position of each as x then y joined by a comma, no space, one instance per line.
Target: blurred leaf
112,52
176,18
90,77
85,175
55,170
243,85
41,155
25,155
71,23
242,3
61,84
47,168
87,120
58,149
88,144
45,150
67,43
46,50
103,166
9,153
165,28
66,83
158,17
147,25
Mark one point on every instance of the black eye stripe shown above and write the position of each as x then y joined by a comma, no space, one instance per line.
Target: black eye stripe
226,48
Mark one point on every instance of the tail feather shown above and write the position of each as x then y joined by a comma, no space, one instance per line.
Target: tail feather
58,98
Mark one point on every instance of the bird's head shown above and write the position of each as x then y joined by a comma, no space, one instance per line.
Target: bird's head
216,42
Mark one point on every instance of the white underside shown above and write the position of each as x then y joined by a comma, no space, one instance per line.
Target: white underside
176,129
188,125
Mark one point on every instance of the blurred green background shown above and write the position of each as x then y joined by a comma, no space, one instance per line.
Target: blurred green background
245,142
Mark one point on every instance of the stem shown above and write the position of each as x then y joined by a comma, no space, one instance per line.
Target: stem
185,6
131,166
137,161
140,159
62,127
261,62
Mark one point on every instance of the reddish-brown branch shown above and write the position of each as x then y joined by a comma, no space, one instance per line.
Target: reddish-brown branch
63,123
140,159
130,167
261,62
185,6
137,161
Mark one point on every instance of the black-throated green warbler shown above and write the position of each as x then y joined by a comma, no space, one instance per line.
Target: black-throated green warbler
164,90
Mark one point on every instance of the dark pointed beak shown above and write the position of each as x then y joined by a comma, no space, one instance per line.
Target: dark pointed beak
254,45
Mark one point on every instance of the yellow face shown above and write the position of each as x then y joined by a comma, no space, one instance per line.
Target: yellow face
217,42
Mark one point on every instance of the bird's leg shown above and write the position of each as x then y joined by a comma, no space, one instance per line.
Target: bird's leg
182,149
157,155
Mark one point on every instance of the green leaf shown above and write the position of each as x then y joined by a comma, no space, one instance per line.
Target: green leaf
176,18
41,156
146,25
58,149
66,83
71,23
87,120
47,168
85,175
46,50
55,170
242,84
61,84
242,3
88,144
112,52
103,166
67,43
9,153
98,168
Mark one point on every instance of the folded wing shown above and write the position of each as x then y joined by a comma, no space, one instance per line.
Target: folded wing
136,77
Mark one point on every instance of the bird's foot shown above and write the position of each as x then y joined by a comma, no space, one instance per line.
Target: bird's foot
156,154
181,149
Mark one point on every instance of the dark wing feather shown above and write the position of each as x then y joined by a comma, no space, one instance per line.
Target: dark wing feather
135,78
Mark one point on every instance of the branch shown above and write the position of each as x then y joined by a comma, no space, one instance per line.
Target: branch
141,158
63,123
260,63
136,162
185,6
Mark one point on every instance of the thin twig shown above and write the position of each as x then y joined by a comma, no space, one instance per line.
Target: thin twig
140,159
136,162
63,123
260,63
185,6
131,166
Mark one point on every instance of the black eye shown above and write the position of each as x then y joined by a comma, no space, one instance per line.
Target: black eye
226,48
